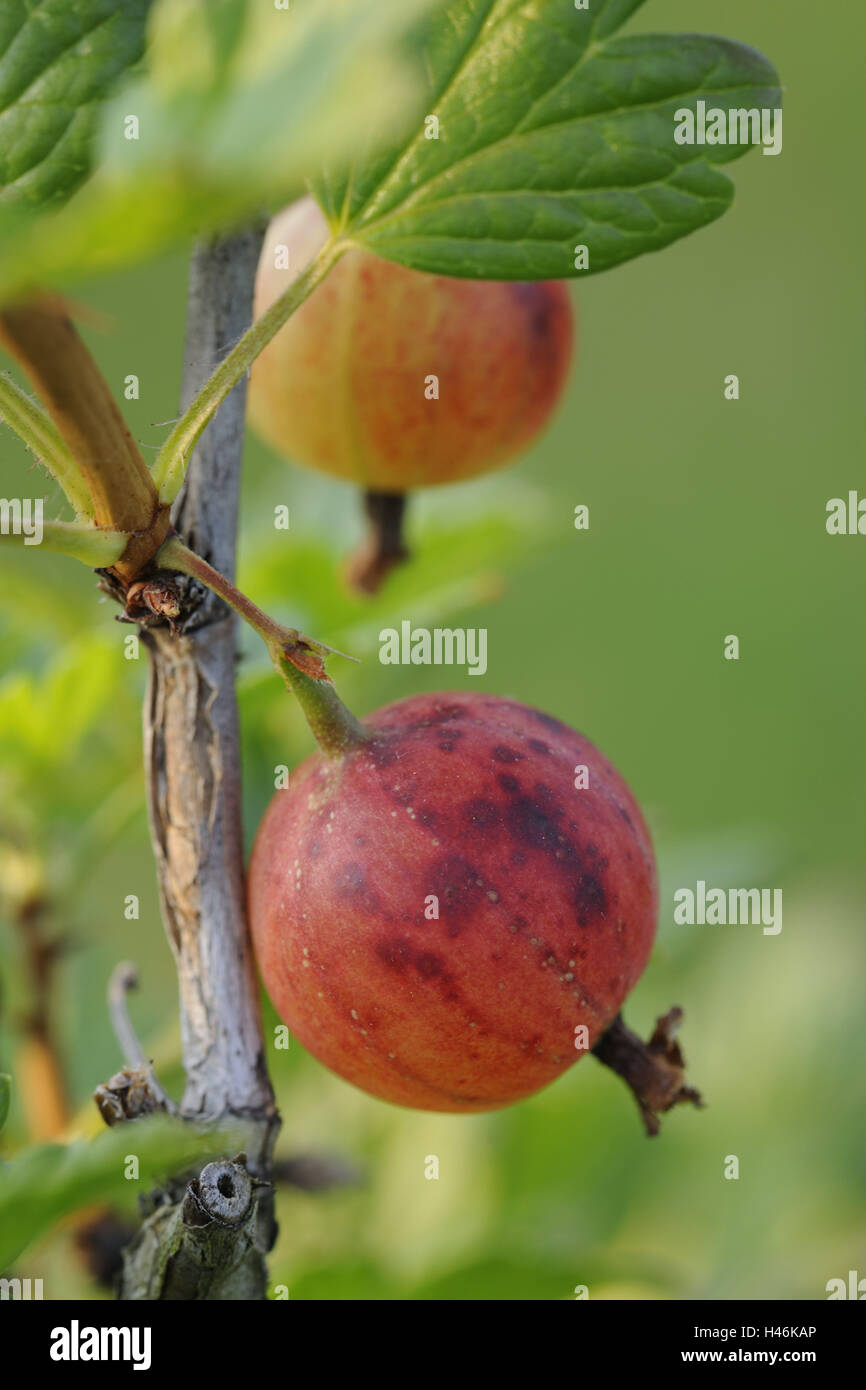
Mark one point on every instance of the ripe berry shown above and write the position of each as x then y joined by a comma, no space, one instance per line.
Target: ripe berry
437,908
345,386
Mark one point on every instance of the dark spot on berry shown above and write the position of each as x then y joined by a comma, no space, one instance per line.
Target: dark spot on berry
518,857
351,882
396,952
428,966
625,815
442,714
459,888
481,814
508,783
530,822
501,754
315,849
539,308
405,792
590,899
549,722
383,751
537,746
426,817
446,746
592,851
349,879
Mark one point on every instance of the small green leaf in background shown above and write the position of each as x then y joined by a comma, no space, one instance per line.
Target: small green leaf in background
75,707
552,133
58,61
43,1184
5,1094
456,562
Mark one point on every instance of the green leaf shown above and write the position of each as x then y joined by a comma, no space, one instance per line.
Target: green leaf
49,713
5,1095
73,708
499,1279
239,105
43,1184
348,1280
58,60
552,134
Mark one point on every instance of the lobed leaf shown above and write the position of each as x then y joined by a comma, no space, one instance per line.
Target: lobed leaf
552,133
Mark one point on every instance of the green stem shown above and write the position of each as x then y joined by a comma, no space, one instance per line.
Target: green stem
170,464
34,427
174,555
95,546
334,727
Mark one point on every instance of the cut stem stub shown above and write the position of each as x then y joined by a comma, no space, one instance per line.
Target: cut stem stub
654,1071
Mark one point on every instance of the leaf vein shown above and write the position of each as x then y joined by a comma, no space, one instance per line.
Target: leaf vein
18,97
510,139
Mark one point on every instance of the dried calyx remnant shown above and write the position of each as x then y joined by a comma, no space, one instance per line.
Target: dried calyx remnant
654,1071
155,599
384,547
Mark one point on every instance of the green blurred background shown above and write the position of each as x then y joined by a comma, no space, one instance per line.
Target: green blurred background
707,518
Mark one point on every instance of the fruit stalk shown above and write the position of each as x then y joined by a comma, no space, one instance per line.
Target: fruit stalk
170,464
334,727
174,555
296,657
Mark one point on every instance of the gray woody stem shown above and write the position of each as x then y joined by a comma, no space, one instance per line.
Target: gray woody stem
193,777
